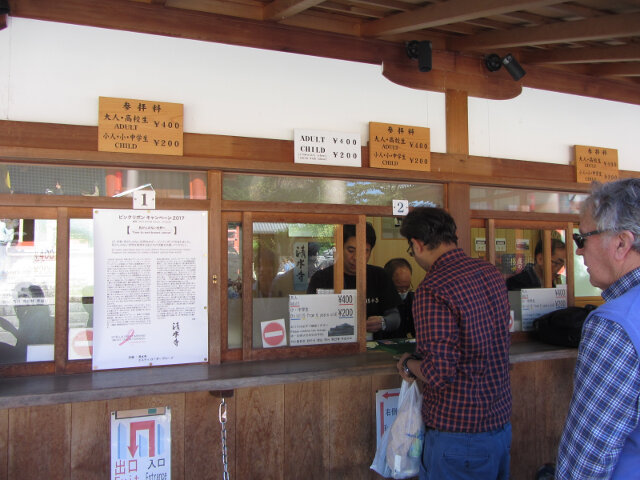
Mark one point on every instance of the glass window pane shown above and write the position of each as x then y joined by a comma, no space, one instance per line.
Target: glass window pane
512,199
526,260
94,182
80,288
234,285
479,243
27,289
285,256
272,188
583,287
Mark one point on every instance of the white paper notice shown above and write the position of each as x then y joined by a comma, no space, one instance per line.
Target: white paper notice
150,294
538,301
320,319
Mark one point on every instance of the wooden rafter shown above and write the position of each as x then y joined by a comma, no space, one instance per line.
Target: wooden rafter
281,9
453,11
583,55
622,25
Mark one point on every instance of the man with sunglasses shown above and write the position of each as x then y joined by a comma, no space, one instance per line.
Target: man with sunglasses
533,274
461,316
601,437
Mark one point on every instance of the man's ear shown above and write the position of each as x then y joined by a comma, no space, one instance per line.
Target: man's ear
623,243
539,258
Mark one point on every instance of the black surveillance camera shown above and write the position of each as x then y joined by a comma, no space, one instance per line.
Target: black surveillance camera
422,51
493,63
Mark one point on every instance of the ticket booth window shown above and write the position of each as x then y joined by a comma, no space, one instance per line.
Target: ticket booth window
285,257
581,276
234,285
80,288
294,189
522,200
27,289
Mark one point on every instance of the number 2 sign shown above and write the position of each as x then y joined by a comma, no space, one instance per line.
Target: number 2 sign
400,207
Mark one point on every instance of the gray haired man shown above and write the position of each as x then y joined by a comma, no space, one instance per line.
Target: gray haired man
601,437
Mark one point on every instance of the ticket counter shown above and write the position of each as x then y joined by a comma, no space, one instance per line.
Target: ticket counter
308,418
291,407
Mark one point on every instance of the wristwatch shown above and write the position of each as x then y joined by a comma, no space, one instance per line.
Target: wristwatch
406,368
383,323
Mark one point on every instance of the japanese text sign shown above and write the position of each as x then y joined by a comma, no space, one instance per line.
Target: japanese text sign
535,302
399,147
141,444
140,126
326,318
596,164
386,411
150,288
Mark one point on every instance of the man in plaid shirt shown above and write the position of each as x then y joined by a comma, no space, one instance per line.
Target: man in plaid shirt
601,437
461,315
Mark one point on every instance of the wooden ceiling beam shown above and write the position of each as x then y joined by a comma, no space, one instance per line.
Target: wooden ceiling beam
453,11
597,28
281,9
385,4
582,55
629,69
569,10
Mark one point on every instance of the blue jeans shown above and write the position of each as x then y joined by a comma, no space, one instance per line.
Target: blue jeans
466,456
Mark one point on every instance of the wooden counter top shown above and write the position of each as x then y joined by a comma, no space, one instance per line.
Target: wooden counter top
109,384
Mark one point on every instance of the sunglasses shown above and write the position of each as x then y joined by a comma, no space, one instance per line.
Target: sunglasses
580,238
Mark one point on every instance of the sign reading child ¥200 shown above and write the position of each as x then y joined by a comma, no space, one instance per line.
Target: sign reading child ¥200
140,126
399,147
596,164
320,147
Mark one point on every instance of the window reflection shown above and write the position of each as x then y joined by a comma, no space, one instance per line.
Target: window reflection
95,182
234,285
285,256
514,199
583,287
520,255
80,288
273,188
27,289
532,274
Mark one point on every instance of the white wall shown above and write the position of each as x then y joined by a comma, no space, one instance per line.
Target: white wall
51,72
544,126
57,72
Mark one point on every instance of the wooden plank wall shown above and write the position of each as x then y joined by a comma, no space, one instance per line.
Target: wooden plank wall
312,430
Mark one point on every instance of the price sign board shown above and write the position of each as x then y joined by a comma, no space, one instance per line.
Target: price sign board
140,126
538,301
319,147
320,319
596,164
399,147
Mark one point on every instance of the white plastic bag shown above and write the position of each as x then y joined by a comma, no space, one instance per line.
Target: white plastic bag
400,451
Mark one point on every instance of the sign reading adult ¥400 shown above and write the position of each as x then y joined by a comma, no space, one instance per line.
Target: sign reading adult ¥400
321,147
140,126
399,147
596,164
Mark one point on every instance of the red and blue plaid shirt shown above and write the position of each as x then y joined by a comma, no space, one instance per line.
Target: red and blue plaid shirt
461,314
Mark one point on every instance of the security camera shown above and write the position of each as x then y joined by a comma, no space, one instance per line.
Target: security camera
422,51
